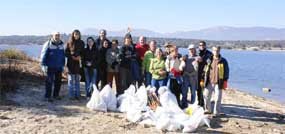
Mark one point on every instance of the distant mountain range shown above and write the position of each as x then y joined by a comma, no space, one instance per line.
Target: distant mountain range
214,33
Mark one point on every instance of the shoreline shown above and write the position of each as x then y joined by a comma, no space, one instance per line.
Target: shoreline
234,49
260,97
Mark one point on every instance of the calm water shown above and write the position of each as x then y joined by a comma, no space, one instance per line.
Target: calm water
250,71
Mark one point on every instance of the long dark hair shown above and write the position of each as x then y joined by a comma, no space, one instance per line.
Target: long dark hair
72,39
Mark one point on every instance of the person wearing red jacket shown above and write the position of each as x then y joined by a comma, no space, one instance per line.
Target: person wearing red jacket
141,48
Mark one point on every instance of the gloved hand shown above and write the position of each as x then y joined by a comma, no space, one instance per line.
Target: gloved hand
44,69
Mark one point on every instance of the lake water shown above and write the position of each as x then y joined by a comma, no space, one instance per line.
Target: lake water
250,71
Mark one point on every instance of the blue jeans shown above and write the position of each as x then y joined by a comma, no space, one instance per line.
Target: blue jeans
74,85
148,79
90,79
135,69
157,84
191,82
53,79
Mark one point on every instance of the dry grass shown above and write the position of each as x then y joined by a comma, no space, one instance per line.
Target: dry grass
16,66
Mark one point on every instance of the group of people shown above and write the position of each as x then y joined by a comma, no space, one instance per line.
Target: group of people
103,60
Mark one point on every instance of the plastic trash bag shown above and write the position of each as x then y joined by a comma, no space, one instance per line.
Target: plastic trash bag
162,89
168,100
168,123
141,98
126,101
134,115
109,98
197,119
96,102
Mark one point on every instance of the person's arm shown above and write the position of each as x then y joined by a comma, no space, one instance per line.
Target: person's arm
109,59
182,65
134,53
144,61
44,53
167,64
151,69
227,70
67,51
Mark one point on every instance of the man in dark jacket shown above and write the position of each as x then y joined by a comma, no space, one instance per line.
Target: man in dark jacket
102,69
216,74
205,55
101,38
52,62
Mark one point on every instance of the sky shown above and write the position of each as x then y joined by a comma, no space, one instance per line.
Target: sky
40,17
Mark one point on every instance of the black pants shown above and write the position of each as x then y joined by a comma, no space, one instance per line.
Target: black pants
175,88
102,76
125,79
53,78
200,94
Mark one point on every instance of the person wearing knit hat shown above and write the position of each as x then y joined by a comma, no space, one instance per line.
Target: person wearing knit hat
127,54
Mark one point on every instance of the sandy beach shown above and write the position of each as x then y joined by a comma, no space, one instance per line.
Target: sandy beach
26,112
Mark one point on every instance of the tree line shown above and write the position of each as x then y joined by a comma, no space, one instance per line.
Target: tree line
266,44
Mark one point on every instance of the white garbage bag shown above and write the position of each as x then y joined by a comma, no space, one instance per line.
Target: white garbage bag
197,119
109,98
168,123
141,99
126,101
162,90
168,100
134,115
131,90
96,102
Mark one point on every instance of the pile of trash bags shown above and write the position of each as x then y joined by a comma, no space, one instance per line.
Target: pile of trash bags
165,115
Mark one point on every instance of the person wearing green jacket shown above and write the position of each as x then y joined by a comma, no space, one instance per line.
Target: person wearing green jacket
158,71
146,62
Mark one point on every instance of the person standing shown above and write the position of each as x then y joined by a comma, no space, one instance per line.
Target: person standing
73,52
190,76
216,73
52,63
90,65
102,48
127,55
112,58
205,55
141,48
102,37
102,70
146,62
174,69
158,71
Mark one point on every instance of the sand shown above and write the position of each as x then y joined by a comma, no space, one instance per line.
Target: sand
26,112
